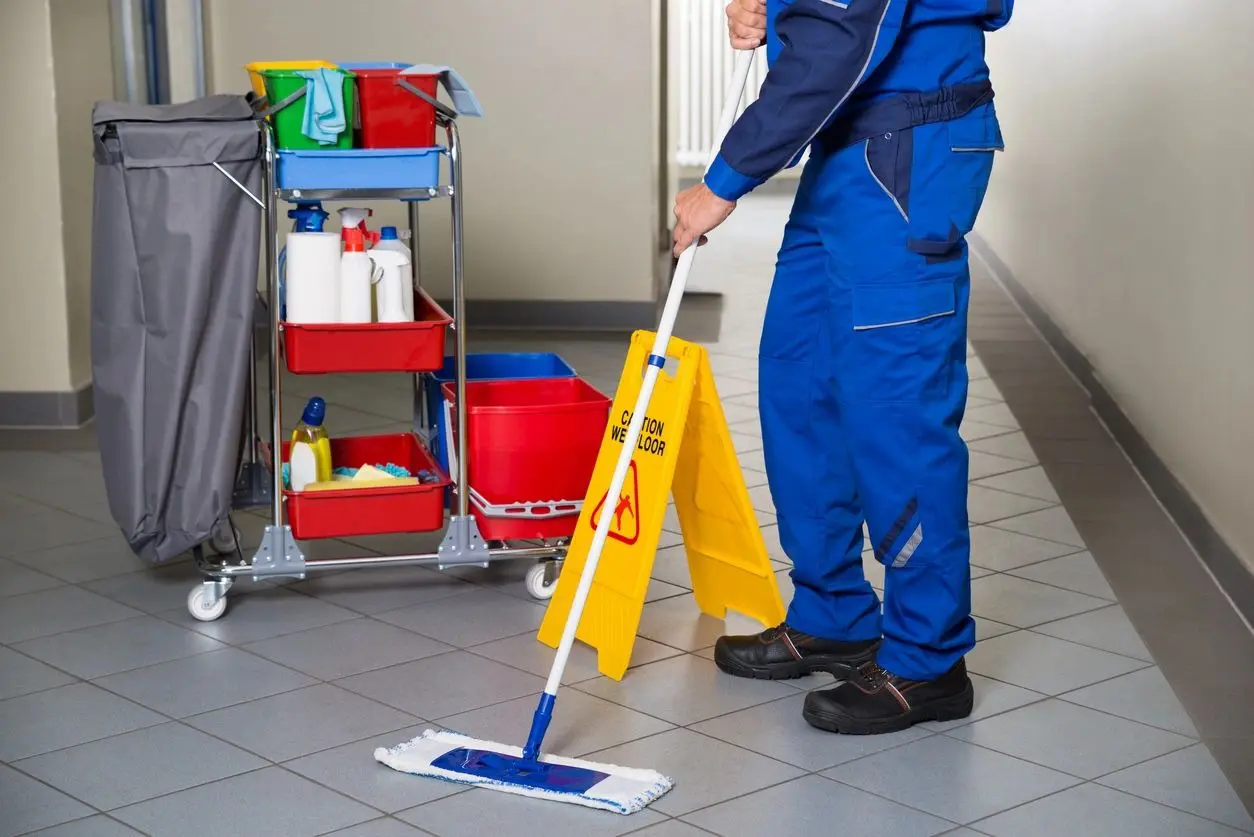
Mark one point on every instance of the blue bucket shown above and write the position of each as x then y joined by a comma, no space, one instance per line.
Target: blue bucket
503,366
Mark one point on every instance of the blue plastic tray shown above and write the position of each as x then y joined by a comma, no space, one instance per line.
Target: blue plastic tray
360,168
503,366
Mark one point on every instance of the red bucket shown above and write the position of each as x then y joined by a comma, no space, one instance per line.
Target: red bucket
531,440
391,115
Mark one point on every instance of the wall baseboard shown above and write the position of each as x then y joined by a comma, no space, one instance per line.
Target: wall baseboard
556,315
47,409
1232,573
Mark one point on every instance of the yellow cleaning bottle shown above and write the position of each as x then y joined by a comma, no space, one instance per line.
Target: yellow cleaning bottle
311,449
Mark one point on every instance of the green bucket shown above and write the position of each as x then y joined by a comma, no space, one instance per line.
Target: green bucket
288,122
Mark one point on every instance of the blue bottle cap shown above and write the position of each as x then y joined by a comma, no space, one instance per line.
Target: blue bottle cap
387,234
315,412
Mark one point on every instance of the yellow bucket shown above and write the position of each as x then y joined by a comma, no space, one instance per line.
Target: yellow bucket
255,69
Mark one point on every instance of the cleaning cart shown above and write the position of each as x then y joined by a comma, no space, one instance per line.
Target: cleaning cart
380,165
477,396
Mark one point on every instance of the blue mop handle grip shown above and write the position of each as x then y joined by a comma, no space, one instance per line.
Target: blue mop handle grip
539,726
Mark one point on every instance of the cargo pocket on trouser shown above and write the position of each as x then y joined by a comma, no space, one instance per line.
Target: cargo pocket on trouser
952,162
902,332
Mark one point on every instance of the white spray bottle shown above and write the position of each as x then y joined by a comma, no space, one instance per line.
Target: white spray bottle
356,271
395,291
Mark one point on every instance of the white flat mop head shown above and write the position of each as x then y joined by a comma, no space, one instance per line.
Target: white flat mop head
624,790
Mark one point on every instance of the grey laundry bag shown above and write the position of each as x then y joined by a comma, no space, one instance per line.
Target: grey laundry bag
174,278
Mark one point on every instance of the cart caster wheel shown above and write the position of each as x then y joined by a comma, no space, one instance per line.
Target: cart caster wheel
225,539
198,604
536,584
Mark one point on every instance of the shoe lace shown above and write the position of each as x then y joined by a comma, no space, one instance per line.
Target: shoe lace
873,674
772,634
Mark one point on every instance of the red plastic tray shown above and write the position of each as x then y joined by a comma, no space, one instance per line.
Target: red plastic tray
370,511
312,349
531,440
391,116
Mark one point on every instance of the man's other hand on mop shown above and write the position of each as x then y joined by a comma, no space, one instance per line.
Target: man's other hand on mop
746,23
697,212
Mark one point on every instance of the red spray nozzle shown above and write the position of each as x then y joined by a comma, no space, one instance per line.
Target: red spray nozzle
354,218
353,239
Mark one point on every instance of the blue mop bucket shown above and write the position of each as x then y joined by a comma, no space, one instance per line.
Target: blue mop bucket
503,366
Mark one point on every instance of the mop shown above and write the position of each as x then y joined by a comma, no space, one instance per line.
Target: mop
446,755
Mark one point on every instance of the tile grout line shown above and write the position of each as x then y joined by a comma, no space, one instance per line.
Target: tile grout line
1035,629
1193,739
104,814
1099,783
138,618
1077,783
1141,663
95,811
1047,699
818,775
974,823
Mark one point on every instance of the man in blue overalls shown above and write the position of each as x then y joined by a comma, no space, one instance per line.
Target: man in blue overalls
863,356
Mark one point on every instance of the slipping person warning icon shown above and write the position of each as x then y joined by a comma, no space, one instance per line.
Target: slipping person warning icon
623,507
626,526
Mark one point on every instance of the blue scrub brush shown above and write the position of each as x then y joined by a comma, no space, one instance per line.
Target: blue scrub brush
525,771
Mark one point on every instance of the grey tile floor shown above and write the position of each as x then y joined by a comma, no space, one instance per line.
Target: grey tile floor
120,715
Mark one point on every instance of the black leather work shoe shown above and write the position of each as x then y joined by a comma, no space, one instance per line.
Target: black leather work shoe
876,701
784,653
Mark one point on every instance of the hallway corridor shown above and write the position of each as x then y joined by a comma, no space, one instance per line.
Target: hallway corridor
1109,666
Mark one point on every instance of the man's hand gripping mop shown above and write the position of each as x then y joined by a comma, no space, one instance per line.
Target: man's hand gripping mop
457,758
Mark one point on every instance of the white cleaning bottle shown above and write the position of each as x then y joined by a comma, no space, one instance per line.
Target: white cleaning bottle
356,273
395,291
389,240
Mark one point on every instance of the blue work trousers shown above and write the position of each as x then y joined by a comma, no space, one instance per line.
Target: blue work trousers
863,383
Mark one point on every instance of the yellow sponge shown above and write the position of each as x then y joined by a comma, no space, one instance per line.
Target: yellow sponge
371,473
354,484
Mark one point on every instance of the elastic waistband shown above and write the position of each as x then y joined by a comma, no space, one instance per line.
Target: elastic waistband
905,110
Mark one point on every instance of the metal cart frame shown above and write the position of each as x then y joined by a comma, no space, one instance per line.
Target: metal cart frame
279,555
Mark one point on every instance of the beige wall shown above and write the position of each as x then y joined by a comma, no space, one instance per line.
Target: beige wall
561,177
82,47
60,53
1125,205
34,347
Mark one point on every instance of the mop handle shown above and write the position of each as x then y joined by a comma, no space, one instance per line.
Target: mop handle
657,359
735,91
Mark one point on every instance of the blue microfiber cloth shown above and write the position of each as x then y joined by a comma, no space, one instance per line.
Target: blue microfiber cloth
325,116
391,469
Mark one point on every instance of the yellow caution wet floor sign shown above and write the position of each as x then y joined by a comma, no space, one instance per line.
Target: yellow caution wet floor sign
684,449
